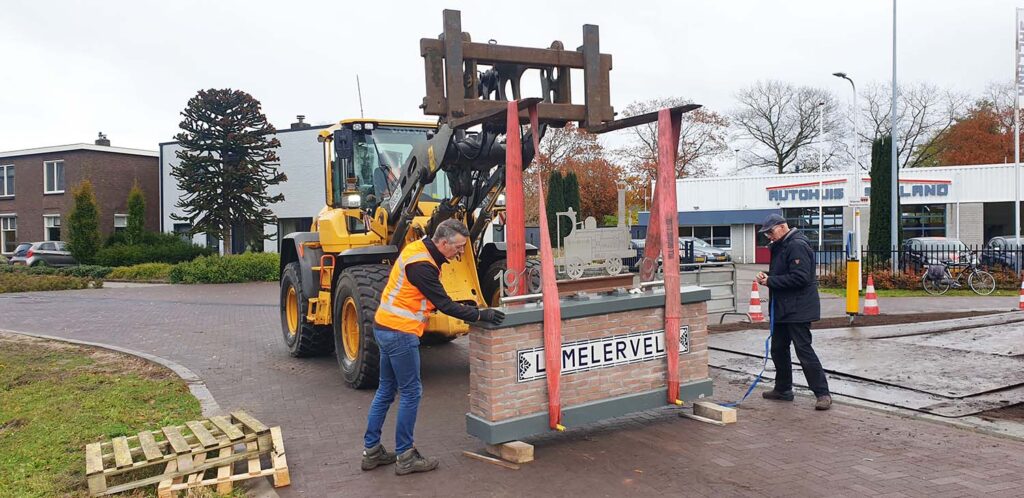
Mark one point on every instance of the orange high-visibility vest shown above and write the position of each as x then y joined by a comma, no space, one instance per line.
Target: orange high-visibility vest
402,306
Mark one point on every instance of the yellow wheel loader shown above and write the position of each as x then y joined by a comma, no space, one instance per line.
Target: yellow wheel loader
388,183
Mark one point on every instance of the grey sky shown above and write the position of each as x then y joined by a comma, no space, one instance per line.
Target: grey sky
127,68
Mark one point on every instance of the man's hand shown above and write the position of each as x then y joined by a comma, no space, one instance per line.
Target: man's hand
491,315
762,278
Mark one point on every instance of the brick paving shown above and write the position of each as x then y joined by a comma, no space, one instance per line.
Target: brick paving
229,335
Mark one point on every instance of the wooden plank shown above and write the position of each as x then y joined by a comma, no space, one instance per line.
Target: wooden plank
487,459
702,419
229,429
176,440
714,411
251,423
224,484
94,469
210,464
149,447
254,462
194,479
281,475
93,459
122,455
513,451
205,438
213,481
163,489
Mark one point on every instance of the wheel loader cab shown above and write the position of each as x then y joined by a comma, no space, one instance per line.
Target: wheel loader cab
374,153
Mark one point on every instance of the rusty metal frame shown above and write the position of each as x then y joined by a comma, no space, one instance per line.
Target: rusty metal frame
452,81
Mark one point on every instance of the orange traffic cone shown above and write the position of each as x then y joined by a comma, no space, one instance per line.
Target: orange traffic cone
756,315
1020,302
870,299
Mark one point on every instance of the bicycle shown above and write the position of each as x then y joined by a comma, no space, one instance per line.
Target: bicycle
938,279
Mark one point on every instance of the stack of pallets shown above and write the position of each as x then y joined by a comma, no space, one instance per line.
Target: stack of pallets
212,452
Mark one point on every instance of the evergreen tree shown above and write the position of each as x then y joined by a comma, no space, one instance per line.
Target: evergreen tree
572,194
226,164
136,215
881,184
84,224
555,203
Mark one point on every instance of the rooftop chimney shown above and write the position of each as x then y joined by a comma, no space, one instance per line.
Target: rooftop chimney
300,124
103,140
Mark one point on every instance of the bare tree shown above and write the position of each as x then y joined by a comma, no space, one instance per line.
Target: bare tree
923,113
789,124
701,139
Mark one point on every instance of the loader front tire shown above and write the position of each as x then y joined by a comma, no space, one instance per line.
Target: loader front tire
356,297
302,338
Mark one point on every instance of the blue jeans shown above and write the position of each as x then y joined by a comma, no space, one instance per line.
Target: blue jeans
399,372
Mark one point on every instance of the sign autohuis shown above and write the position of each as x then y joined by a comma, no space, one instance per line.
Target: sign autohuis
835,190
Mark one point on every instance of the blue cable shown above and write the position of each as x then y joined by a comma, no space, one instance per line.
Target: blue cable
767,341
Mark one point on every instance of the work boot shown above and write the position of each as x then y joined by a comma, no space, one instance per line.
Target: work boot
778,396
410,461
823,403
377,456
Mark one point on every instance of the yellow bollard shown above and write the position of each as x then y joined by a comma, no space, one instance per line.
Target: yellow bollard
852,288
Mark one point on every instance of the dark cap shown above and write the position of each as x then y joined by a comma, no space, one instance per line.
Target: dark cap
770,222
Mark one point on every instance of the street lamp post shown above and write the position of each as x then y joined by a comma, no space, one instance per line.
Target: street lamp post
855,183
736,153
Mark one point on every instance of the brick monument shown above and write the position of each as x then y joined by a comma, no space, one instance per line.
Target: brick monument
613,363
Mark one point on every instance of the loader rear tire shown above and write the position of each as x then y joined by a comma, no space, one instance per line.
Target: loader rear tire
356,297
302,339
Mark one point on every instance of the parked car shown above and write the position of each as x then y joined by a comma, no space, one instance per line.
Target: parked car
702,250
919,253
1003,251
688,254
18,256
52,253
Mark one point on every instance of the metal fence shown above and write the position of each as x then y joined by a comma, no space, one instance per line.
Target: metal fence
915,259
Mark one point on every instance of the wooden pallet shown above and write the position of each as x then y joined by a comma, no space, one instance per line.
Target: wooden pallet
186,453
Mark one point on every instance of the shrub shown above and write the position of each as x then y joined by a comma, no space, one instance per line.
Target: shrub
94,272
143,272
136,215
247,267
83,227
19,281
39,269
155,248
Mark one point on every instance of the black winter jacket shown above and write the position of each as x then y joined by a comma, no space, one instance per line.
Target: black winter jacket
791,278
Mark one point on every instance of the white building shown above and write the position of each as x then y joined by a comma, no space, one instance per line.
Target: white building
304,194
971,203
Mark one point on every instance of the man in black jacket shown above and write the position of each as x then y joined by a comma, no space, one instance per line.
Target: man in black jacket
793,306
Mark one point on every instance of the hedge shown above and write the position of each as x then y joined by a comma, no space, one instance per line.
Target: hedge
92,272
247,267
885,279
155,248
144,272
26,282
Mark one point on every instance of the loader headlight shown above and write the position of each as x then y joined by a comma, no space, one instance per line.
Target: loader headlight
351,201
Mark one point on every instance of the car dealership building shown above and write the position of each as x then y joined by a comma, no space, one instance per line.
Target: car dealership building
971,203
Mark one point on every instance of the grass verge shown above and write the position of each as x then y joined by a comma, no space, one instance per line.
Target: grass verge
56,397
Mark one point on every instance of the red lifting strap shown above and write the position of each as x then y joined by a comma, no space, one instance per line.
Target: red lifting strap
515,219
552,317
668,218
